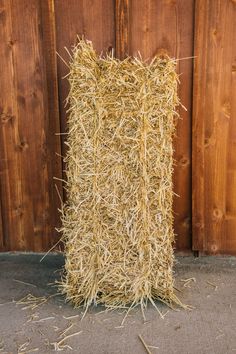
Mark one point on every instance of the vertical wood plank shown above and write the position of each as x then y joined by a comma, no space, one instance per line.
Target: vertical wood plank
52,126
214,210
122,28
150,34
2,245
11,196
198,187
230,220
31,111
26,159
182,142
3,114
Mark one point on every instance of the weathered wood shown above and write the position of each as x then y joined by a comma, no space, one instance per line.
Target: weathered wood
33,96
2,246
182,142
230,239
26,173
11,189
52,117
122,28
214,128
198,188
151,33
5,110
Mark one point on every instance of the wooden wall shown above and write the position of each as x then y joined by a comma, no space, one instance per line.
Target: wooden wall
214,127
33,98
29,120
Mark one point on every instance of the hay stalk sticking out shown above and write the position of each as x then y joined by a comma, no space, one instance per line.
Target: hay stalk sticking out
117,222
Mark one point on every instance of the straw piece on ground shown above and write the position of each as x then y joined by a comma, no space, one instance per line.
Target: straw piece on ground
213,285
117,221
144,344
188,281
24,283
32,302
60,345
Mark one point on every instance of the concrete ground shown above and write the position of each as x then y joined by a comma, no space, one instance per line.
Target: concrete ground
49,326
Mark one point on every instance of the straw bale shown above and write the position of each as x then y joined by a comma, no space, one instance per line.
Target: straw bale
117,221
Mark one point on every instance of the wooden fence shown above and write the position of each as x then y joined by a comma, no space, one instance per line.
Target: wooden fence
33,116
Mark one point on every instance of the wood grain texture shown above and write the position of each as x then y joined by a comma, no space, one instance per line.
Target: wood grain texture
26,163
33,97
150,34
52,123
11,189
122,22
198,208
5,112
214,128
2,246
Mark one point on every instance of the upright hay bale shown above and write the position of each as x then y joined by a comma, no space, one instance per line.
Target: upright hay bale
117,221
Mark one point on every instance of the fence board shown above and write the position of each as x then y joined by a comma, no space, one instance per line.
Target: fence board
11,194
52,123
26,173
33,97
151,33
2,246
122,23
214,128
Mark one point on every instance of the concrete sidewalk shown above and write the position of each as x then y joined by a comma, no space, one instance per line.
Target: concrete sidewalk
209,328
